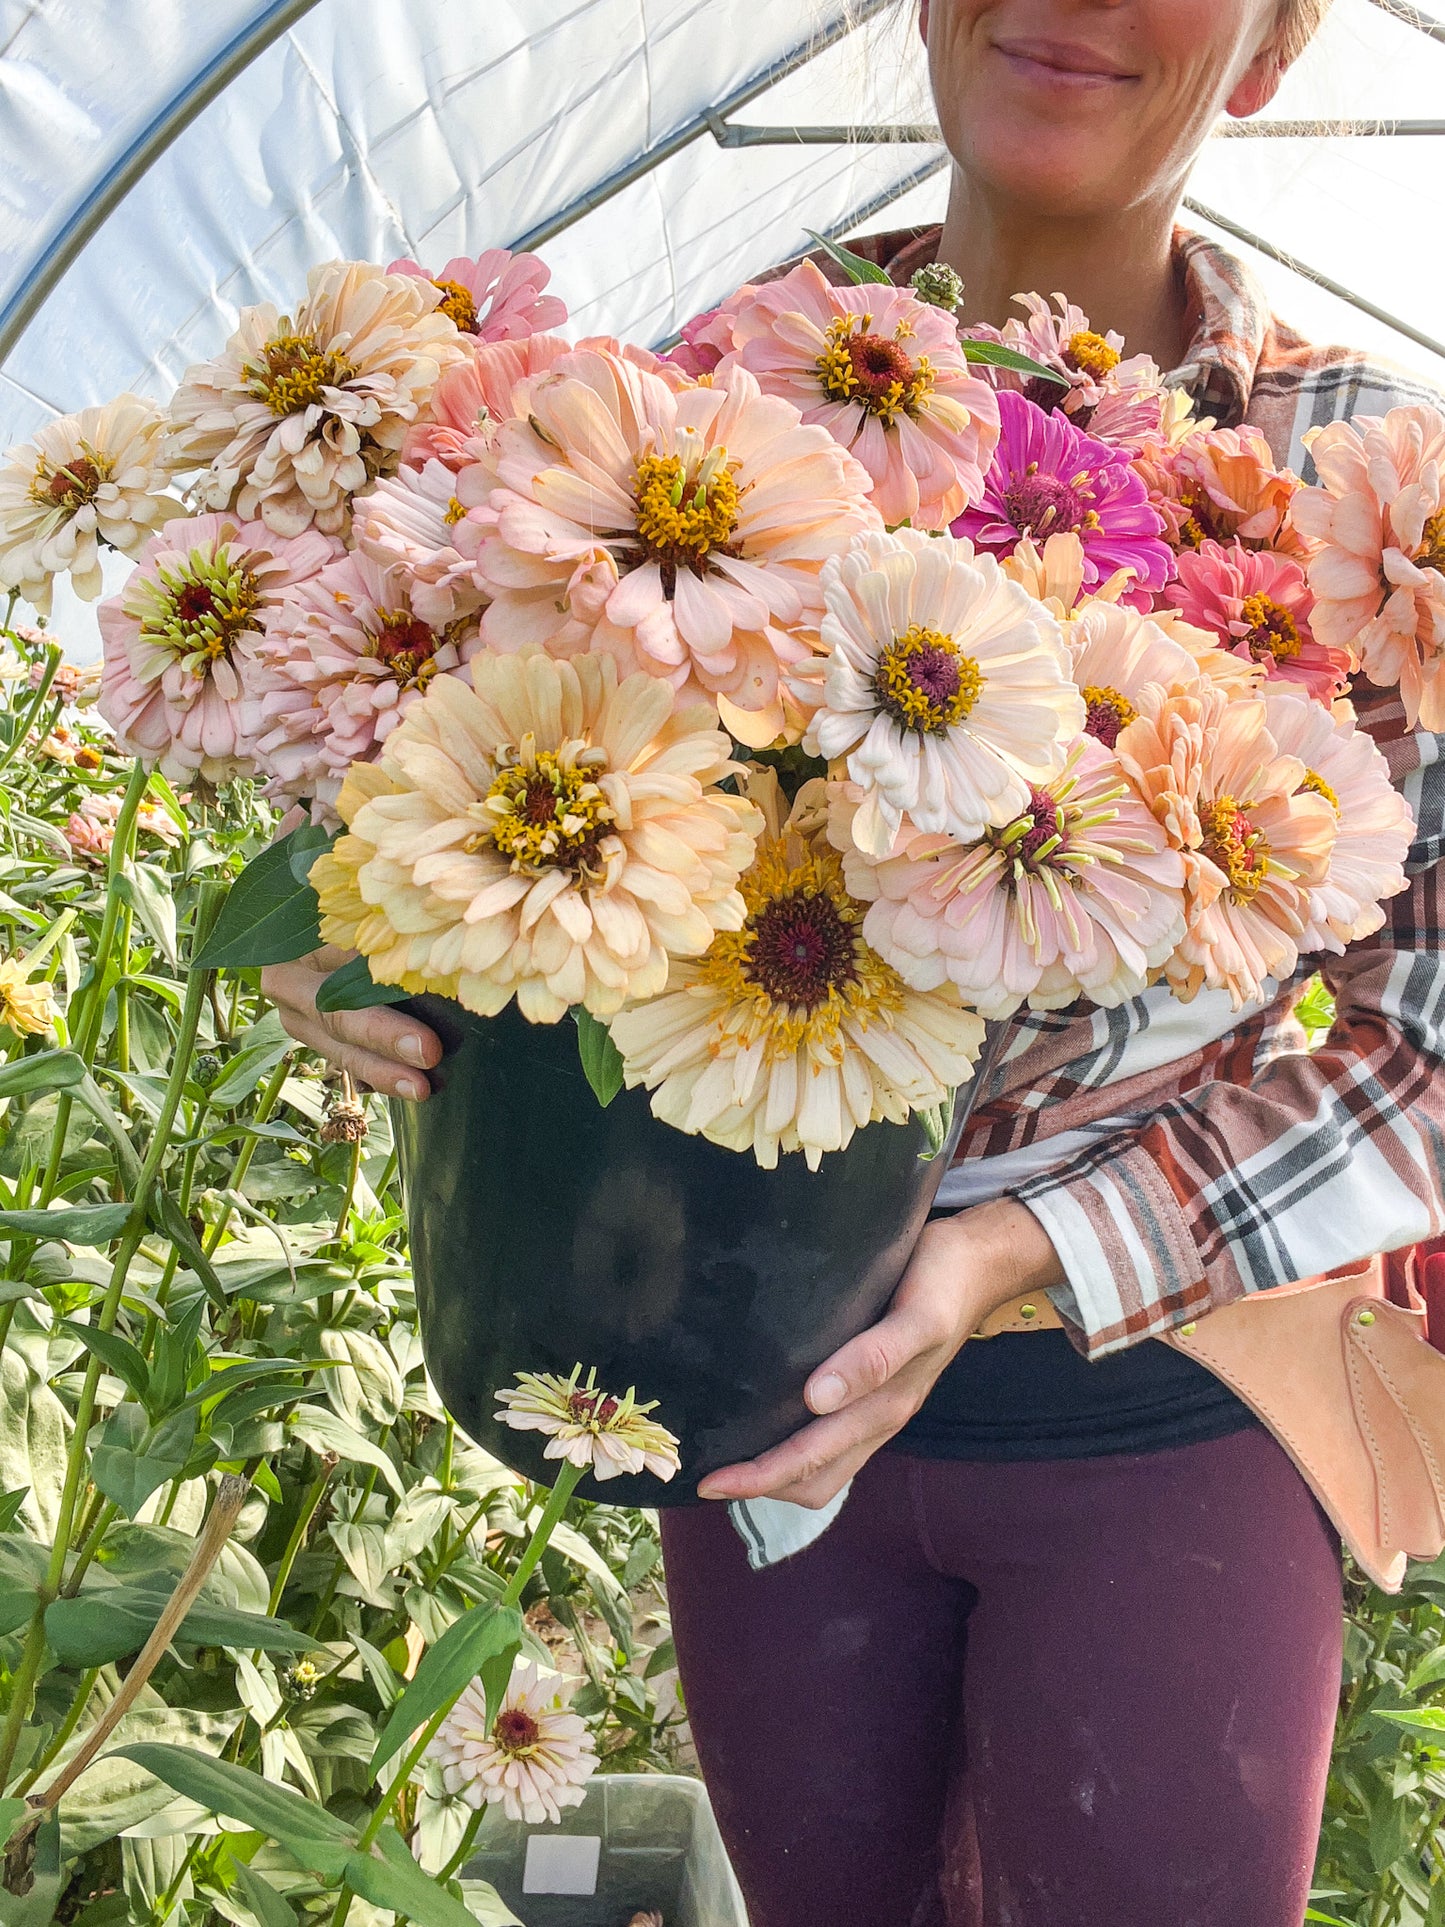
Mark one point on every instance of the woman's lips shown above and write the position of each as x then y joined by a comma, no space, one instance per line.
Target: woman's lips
1060,67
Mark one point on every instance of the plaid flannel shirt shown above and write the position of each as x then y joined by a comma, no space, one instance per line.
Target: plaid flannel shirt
1221,1157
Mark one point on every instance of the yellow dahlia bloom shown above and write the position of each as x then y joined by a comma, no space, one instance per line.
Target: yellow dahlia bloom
791,1033
299,412
550,833
26,1008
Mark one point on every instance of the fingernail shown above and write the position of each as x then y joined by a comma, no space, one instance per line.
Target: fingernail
827,1393
412,1048
709,1489
413,1089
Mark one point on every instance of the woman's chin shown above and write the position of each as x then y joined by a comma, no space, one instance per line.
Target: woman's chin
1050,178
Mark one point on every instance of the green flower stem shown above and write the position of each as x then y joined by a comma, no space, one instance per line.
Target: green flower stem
464,1845
314,1495
104,1519
67,1727
551,1516
33,708
122,1007
270,1097
22,1686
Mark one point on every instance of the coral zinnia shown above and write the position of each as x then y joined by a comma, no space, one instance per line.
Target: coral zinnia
497,297
1220,484
1048,478
1079,895
533,1760
1379,572
299,413
589,1427
551,834
86,481
181,637
947,688
884,373
1258,604
682,532
791,1033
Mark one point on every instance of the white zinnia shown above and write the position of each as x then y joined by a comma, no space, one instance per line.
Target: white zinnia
947,687
533,1760
86,479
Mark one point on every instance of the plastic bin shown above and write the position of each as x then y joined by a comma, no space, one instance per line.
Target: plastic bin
639,1841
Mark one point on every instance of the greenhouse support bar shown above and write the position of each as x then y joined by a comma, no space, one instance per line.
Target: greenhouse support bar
105,194
921,133
652,158
1425,23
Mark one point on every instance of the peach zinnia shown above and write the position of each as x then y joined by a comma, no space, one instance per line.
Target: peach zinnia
682,532
1117,654
1221,485
1378,520
551,834
883,372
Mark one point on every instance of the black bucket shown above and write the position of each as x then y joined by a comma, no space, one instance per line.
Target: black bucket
547,1232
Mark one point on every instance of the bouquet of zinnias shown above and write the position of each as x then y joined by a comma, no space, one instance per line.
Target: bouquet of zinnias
782,706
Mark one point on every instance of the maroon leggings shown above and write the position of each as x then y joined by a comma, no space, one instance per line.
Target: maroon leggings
1085,1693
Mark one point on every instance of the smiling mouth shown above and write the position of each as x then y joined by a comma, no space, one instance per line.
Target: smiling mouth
1062,65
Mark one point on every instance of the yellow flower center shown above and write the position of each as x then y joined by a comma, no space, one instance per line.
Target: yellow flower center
201,610
1432,545
799,966
1200,524
294,372
74,483
1272,635
459,303
545,812
925,682
858,365
1108,711
1317,786
1234,845
686,509
515,1732
406,646
454,513
1091,354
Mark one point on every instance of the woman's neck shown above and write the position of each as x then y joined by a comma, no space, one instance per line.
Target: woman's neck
1120,271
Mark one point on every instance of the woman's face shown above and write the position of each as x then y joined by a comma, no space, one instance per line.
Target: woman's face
1085,107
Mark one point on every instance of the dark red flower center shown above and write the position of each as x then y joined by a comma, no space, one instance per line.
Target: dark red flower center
515,1731
878,364
589,1408
1045,813
407,647
935,675
800,948
75,483
195,602
1044,505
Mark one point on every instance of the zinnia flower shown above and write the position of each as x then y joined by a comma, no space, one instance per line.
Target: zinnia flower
947,688
533,1760
884,373
1255,839
26,1008
1049,478
553,834
1117,654
1378,575
1117,400
88,480
299,413
1053,573
1374,824
682,532
1079,895
589,1427
1220,485
181,636
1258,604
792,1033
340,664
497,297
417,521
473,396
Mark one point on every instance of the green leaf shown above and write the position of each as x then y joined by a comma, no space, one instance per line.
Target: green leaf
168,1218
936,1126
853,265
262,1898
48,1070
148,891
388,1876
601,1059
133,1460
271,915
245,1071
1420,1719
995,355
351,988
323,1431
112,1623
82,1224
311,1835
1328,1920
10,1812
448,1666
10,1504
117,1354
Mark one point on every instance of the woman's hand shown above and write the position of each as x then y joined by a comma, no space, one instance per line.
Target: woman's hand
961,1270
379,1047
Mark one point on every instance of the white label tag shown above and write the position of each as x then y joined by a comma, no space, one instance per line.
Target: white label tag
562,1863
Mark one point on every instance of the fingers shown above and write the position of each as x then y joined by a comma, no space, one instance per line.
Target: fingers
909,1331
815,1464
379,1047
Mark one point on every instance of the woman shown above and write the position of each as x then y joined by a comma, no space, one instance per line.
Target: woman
1069,1654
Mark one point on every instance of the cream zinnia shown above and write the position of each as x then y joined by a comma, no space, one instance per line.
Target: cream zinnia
300,412
533,1760
86,481
792,1033
552,834
947,688
682,532
589,1427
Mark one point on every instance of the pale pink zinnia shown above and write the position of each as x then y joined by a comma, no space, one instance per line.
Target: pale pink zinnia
1117,399
1375,826
1378,573
181,637
338,667
1259,604
683,533
1080,895
418,521
474,395
533,1760
885,374
496,297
